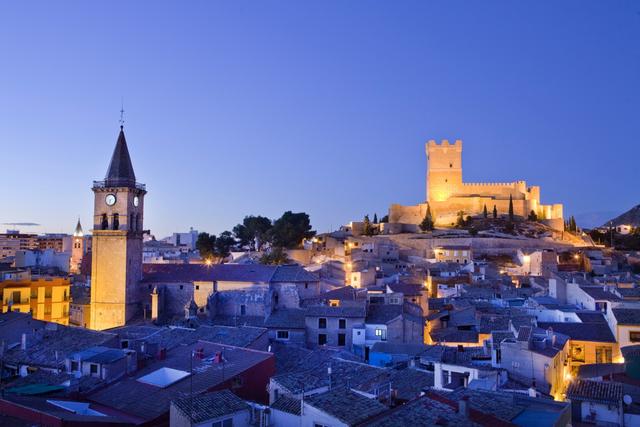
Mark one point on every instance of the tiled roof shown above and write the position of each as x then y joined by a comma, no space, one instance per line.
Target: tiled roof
627,316
408,289
524,333
210,406
489,323
598,332
590,316
292,273
344,310
454,335
346,405
290,318
148,402
598,293
424,411
287,404
252,273
437,303
399,348
498,336
383,313
597,391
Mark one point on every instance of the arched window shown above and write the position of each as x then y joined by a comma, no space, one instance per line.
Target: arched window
116,221
105,222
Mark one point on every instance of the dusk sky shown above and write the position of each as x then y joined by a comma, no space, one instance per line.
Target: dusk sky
237,108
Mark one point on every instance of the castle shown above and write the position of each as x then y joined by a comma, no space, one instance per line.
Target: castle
447,194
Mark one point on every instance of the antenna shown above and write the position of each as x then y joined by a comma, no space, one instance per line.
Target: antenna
121,112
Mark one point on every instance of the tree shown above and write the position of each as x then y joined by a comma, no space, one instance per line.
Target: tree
223,244
375,218
276,256
290,229
495,212
385,219
510,208
533,216
427,222
460,219
485,214
252,227
206,245
367,229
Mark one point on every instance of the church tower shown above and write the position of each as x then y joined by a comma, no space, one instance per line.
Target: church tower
77,249
116,267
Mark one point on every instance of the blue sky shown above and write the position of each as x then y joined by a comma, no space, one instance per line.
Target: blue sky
236,108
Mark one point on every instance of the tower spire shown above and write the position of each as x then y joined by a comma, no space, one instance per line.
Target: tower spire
121,113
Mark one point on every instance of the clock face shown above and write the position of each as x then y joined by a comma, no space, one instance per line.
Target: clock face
136,201
110,200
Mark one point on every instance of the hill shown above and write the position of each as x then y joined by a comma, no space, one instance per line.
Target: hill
630,217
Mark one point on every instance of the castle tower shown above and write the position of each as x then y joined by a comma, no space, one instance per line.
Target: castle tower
444,170
116,267
77,249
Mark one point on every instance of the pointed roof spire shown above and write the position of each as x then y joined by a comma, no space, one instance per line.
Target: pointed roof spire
120,172
78,232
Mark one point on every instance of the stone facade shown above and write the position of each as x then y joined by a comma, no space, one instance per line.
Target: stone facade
447,194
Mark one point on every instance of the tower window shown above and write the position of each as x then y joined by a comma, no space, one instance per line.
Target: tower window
105,222
450,165
116,221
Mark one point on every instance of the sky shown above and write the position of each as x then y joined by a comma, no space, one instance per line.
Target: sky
235,108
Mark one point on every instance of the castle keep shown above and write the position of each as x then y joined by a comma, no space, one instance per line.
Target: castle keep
447,194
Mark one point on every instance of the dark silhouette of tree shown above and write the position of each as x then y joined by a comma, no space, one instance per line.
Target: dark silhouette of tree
495,212
276,256
510,208
427,222
252,227
485,214
367,229
290,229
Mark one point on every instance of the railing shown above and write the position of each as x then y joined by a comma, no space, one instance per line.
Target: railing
108,183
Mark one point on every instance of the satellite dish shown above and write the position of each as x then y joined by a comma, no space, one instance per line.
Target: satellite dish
627,399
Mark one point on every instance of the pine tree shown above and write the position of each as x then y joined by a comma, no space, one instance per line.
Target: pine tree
533,216
495,212
427,222
460,220
510,208
367,228
375,218
484,211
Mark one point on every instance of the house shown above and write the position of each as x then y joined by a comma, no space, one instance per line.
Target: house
452,253
394,323
625,323
596,402
536,357
333,326
198,368
107,364
287,325
590,342
220,408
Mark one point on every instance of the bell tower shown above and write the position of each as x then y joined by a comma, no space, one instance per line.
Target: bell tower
116,264
77,249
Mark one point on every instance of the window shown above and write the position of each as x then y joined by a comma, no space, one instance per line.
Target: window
342,339
381,333
306,286
124,344
93,368
223,423
197,287
322,323
634,336
243,309
74,366
181,287
116,221
342,324
283,335
515,365
603,354
322,339
104,222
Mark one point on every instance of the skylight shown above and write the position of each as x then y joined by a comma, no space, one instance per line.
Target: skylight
163,377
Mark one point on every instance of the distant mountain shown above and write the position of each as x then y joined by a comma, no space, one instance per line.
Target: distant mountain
630,217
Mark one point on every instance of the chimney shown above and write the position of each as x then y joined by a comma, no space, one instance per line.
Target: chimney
23,343
463,406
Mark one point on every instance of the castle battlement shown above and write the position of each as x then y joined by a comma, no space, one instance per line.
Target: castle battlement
444,143
492,184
